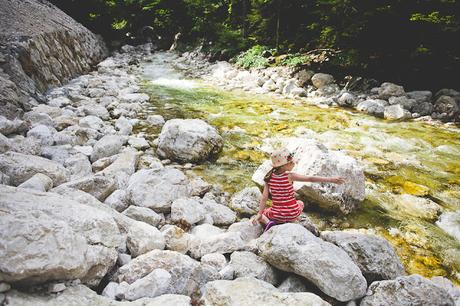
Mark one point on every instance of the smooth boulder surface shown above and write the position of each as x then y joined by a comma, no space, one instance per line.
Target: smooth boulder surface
249,264
373,255
157,189
50,237
188,140
406,291
292,248
107,146
248,290
21,167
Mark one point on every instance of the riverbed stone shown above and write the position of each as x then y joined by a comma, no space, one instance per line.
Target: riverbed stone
220,214
117,200
98,186
79,166
142,238
246,201
38,182
450,223
153,284
35,119
72,240
446,108
187,210
223,243
293,283
107,146
122,167
157,188
395,112
373,255
321,79
143,214
373,107
248,230
21,167
176,239
43,133
448,286
346,99
187,274
155,120
405,291
15,126
247,264
404,101
387,90
246,290
188,140
216,260
124,126
292,248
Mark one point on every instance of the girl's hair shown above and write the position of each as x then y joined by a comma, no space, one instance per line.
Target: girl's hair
269,175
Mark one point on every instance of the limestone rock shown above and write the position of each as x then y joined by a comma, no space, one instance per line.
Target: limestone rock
107,146
43,133
395,112
157,189
153,284
247,264
372,107
246,201
20,167
220,214
216,260
292,248
79,166
187,210
293,283
448,286
143,214
121,169
98,186
405,291
388,90
221,243
156,120
117,200
38,182
248,230
373,255
189,140
15,126
176,239
321,79
246,290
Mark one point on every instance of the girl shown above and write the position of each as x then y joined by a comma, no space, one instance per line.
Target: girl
278,184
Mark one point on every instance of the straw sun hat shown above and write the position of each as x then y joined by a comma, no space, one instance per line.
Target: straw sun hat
281,157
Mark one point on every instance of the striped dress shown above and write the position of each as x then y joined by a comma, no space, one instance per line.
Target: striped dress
285,207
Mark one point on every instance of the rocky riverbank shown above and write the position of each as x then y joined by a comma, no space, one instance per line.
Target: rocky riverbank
389,101
88,203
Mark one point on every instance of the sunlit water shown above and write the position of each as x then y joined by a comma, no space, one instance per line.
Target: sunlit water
412,168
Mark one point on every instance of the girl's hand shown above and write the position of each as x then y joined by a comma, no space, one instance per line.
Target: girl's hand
337,180
255,219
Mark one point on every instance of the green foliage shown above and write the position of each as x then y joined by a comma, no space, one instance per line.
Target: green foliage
295,59
253,58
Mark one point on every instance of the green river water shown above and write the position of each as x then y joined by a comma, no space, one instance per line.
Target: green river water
404,162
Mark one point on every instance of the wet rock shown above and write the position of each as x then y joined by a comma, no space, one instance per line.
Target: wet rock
373,255
322,79
246,290
292,248
107,146
247,264
189,140
157,189
293,283
446,108
187,274
246,201
417,206
143,214
72,240
406,290
450,223
388,90
38,182
21,167
372,107
395,112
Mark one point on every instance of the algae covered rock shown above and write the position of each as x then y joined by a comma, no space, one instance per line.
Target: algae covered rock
188,140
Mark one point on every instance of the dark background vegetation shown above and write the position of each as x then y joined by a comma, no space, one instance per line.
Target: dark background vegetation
412,42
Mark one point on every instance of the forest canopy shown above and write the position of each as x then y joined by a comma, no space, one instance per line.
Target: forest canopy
414,42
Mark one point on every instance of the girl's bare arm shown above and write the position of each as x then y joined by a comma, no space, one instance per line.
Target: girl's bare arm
315,179
263,201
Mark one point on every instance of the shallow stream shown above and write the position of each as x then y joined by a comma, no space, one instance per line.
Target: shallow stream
412,168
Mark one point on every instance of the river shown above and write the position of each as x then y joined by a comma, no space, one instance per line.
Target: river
412,168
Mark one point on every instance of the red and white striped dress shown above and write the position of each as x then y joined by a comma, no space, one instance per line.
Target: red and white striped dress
285,207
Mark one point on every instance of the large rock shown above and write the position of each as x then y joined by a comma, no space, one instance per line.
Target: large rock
43,133
249,264
314,159
98,186
38,182
221,243
83,296
157,189
107,146
49,237
373,255
388,90
153,284
372,107
79,166
189,140
247,200
322,79
187,274
248,290
176,238
446,107
405,291
450,223
395,112
220,214
21,167
447,285
122,168
187,211
15,126
143,214
292,248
